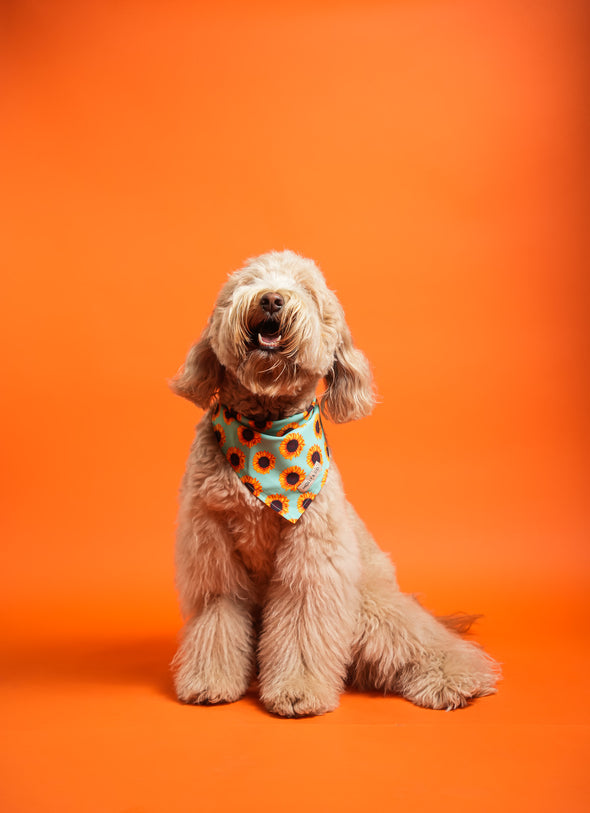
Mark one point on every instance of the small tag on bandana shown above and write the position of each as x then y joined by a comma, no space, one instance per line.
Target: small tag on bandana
283,463
310,477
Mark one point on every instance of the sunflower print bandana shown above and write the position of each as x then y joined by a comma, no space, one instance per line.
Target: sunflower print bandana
284,463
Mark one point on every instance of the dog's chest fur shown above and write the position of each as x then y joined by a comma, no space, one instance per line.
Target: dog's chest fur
254,530
256,545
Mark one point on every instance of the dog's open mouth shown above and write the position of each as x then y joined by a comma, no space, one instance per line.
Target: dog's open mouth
267,335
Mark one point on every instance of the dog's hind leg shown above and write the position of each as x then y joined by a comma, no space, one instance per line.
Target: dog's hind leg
400,647
215,661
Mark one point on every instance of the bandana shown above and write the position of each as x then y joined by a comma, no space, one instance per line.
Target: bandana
284,463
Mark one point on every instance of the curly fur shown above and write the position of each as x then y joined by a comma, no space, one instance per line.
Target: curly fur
314,604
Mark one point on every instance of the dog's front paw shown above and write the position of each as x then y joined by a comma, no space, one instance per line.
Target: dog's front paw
299,698
200,690
215,661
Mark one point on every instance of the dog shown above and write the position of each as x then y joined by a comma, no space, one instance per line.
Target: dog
277,575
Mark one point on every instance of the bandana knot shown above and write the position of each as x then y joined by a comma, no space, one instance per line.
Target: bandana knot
284,463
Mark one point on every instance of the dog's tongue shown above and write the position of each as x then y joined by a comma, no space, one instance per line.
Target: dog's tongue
269,337
269,342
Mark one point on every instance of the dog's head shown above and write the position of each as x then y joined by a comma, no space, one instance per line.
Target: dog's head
275,326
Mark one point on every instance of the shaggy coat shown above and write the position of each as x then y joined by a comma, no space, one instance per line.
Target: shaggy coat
311,605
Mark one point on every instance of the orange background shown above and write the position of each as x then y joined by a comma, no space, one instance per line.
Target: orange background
429,155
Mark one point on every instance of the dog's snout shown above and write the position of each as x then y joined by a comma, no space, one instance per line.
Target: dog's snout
271,302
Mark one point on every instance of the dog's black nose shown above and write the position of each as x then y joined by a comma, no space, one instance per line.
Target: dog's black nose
271,302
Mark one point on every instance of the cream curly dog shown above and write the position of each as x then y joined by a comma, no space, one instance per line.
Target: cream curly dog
307,600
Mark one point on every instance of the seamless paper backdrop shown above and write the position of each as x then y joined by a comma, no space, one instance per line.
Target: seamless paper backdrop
430,156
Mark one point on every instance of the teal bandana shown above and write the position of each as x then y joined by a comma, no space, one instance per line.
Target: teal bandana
284,463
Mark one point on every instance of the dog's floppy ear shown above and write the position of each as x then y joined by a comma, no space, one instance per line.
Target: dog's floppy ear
201,375
349,394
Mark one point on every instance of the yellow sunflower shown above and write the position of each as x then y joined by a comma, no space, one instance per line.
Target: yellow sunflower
219,433
291,478
279,503
248,436
251,484
317,427
260,426
288,428
314,456
292,445
305,500
263,462
324,478
229,415
235,458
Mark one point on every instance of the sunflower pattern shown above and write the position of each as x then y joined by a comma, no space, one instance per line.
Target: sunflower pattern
278,503
292,478
248,437
314,455
288,428
283,463
260,426
292,445
235,458
317,427
252,484
263,462
219,433
229,415
305,500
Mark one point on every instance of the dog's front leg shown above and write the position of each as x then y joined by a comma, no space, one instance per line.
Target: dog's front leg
309,617
215,661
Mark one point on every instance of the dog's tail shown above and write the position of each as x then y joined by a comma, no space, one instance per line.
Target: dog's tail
459,622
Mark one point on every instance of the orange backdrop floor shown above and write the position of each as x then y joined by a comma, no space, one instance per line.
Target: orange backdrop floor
429,156
91,724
